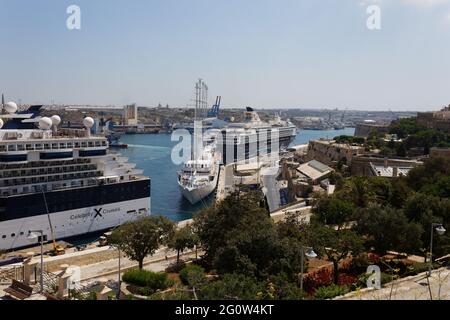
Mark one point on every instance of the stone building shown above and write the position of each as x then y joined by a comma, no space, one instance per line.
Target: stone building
439,120
370,165
330,153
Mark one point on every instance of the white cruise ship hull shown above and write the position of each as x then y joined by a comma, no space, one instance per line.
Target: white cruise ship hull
71,223
194,195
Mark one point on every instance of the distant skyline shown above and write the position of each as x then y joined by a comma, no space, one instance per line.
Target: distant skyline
306,54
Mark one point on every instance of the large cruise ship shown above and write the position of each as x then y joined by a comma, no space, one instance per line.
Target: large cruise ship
64,182
254,137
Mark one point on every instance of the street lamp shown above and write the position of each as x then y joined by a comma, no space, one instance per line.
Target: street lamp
440,230
309,253
32,236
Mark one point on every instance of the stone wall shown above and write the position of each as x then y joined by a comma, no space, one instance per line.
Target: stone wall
364,129
330,153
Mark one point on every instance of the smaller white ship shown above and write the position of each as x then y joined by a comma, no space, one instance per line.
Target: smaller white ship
199,177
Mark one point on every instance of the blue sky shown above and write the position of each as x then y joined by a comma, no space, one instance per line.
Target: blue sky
262,53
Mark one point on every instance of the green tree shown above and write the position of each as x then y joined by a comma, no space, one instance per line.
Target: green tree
425,210
335,245
231,287
400,192
140,238
426,174
357,190
183,239
333,211
404,127
389,229
238,235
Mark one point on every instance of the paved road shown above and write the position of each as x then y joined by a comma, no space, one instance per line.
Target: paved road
108,269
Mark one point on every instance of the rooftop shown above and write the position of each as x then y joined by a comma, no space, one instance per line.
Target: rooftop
314,169
390,171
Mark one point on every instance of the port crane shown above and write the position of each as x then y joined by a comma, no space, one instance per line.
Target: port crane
214,112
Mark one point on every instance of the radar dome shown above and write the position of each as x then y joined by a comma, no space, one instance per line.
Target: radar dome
56,120
88,122
10,107
45,123
1,123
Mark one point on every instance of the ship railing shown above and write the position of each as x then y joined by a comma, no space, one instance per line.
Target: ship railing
50,170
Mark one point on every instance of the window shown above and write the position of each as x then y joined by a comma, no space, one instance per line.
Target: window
13,235
62,145
84,144
38,146
12,147
29,147
3,237
77,144
54,146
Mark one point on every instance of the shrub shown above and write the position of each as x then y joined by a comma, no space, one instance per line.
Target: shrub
420,267
176,267
346,279
358,264
172,295
280,287
320,278
150,281
192,275
231,287
362,280
330,292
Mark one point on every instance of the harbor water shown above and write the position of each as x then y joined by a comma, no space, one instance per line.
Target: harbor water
152,153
